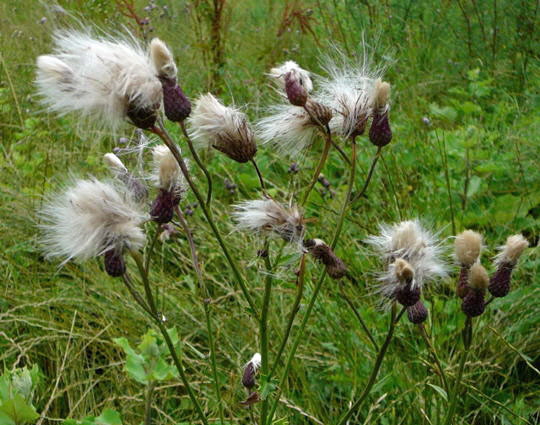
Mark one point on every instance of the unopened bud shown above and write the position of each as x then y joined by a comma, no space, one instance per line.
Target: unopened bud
115,265
417,313
499,284
177,106
380,133
162,210
473,304
296,93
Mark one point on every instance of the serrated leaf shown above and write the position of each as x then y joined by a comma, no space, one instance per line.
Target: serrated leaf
109,417
18,409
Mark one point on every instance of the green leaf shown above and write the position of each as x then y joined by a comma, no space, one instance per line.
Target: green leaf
109,417
440,390
474,186
19,410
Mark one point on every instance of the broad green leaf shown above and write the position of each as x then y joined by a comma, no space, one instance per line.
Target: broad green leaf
109,417
18,409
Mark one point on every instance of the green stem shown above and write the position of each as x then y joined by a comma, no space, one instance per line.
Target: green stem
206,305
148,404
318,286
263,324
151,250
467,339
162,133
153,313
376,367
320,165
435,357
359,317
292,315
368,178
199,163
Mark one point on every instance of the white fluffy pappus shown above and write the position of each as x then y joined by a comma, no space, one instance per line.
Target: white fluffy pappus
162,59
409,241
255,361
166,173
288,128
90,218
303,76
510,252
114,163
267,215
349,91
97,77
224,128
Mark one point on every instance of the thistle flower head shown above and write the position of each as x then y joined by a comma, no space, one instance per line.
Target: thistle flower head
512,250
223,128
408,242
162,59
478,277
106,79
267,215
468,245
349,89
292,70
381,95
288,128
91,218
167,174
250,371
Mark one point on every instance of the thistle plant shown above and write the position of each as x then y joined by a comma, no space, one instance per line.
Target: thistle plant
115,81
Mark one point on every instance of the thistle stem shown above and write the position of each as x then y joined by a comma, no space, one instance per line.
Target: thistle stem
376,367
320,165
368,178
263,325
148,404
434,355
261,180
467,339
318,286
201,165
153,313
206,304
162,133
292,315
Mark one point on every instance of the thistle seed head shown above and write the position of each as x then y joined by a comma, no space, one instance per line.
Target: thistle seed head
417,313
468,245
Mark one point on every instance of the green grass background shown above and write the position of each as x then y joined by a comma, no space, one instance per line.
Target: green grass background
470,67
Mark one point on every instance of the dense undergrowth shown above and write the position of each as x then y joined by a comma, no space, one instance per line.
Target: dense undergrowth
465,110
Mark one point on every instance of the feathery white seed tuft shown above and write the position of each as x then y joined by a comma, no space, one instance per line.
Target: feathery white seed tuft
114,163
468,245
97,77
266,215
166,173
512,250
162,59
88,219
287,128
303,76
478,278
409,241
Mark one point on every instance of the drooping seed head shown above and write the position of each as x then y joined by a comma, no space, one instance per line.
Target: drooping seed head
335,267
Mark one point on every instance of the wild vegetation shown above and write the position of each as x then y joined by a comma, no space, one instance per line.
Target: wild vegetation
77,348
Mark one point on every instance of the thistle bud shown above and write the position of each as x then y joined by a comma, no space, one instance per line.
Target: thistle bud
250,371
296,93
506,260
162,210
468,245
405,294
473,303
380,133
115,265
320,114
463,279
177,106
335,267
417,313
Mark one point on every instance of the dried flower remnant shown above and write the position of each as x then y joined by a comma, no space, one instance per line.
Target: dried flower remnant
349,91
176,105
468,245
473,303
268,216
380,133
168,177
250,372
506,260
335,267
135,187
105,79
90,219
223,128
